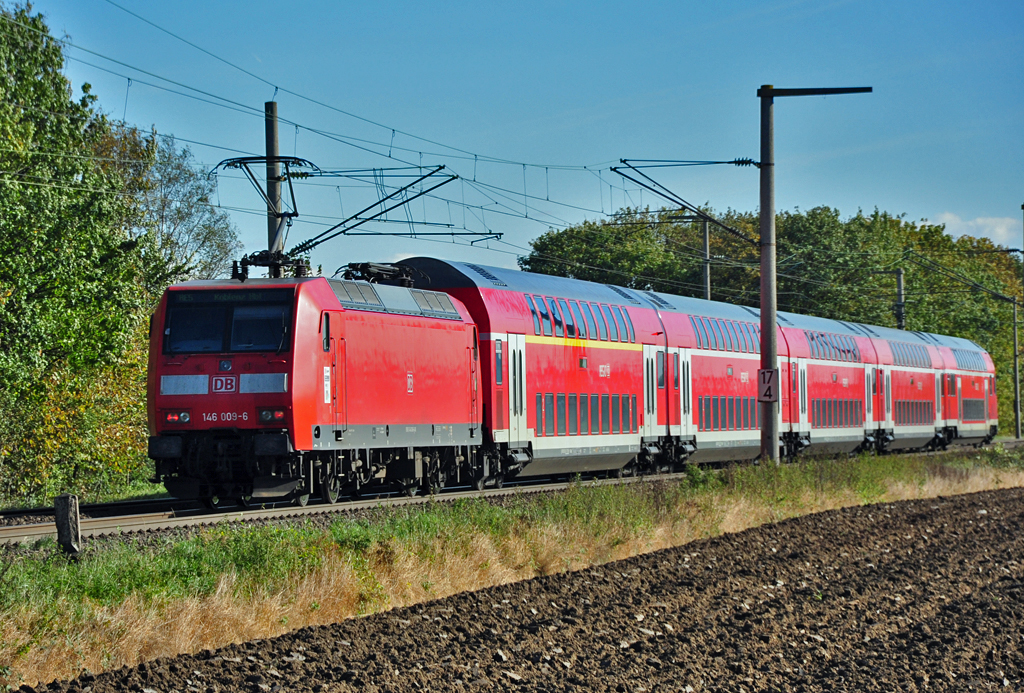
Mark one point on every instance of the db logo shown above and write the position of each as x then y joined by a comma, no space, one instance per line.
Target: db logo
225,383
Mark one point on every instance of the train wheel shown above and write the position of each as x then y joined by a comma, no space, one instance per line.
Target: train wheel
499,480
330,489
480,483
247,502
301,500
213,502
434,482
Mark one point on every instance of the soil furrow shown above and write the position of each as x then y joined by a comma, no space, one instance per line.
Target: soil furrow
913,596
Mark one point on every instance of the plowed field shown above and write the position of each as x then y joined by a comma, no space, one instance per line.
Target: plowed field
914,596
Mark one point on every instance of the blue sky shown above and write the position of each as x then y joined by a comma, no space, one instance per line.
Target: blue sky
563,86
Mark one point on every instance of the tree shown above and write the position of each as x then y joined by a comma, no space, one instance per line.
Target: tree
183,235
68,289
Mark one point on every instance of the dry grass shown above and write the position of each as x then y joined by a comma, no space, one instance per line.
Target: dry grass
396,567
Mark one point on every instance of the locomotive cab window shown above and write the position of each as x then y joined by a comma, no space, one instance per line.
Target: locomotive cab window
499,362
226,321
327,331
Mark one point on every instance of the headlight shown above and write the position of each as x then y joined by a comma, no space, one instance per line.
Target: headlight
177,417
271,415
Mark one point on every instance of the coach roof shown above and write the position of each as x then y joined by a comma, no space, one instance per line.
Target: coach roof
431,273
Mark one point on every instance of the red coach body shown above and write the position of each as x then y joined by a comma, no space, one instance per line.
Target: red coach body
279,388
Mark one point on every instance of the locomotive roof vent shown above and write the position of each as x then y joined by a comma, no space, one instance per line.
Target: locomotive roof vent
484,273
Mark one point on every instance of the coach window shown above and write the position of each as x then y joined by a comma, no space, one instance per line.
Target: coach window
718,338
581,329
629,324
615,414
560,420
595,415
570,326
589,315
327,331
709,332
724,341
572,414
533,312
661,370
499,362
602,326
549,414
605,414
714,413
555,317
675,369
623,330
749,336
719,333
747,346
584,413
696,333
734,336
540,416
544,315
613,331
702,328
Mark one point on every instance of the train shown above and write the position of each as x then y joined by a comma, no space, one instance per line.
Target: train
426,373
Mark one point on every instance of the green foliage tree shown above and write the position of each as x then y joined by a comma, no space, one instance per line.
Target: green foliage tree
68,292
183,235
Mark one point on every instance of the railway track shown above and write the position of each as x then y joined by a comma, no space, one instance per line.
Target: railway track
145,515
92,527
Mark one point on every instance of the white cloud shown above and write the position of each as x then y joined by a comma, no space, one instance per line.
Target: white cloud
1003,230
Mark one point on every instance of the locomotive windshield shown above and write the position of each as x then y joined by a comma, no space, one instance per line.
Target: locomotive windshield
228,321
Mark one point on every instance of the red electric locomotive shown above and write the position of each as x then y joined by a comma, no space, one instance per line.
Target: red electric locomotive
279,388
444,371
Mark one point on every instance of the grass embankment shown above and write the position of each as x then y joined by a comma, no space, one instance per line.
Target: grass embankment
123,604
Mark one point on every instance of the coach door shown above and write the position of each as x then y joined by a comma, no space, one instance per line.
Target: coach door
674,389
516,390
887,392
869,396
800,407
959,395
650,424
685,399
